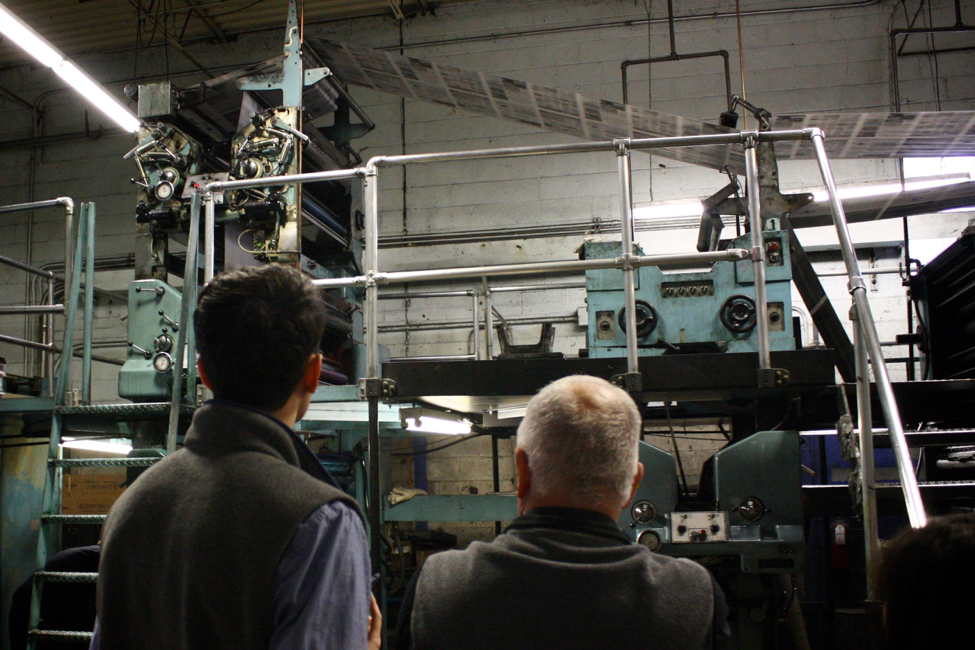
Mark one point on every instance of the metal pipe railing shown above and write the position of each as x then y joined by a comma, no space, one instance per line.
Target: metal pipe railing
868,328
34,345
7,310
758,251
6,261
629,270
536,268
67,203
488,322
868,483
475,311
467,292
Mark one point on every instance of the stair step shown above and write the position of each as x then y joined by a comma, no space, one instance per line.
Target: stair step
61,636
104,462
66,576
73,519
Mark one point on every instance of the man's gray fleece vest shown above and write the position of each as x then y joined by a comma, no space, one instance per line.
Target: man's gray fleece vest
190,550
560,590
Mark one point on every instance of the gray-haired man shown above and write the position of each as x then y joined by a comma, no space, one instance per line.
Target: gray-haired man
563,575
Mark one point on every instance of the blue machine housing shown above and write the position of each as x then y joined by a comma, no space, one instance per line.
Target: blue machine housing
153,305
762,470
682,312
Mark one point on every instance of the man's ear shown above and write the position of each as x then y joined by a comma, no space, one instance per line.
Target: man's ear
524,473
313,371
637,479
203,374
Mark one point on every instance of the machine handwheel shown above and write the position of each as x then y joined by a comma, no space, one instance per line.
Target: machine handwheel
646,319
738,314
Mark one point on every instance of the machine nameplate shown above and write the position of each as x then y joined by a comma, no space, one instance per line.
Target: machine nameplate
687,289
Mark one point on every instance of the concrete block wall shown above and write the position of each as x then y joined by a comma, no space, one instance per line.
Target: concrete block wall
797,59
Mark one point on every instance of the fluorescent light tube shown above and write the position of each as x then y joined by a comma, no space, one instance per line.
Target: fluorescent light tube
428,424
91,90
97,445
18,32
38,47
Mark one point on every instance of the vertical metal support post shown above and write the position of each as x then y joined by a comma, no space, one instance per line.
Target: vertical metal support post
209,246
758,250
496,475
868,485
629,283
68,239
488,322
72,294
180,353
370,261
89,315
476,314
868,328
370,199
49,355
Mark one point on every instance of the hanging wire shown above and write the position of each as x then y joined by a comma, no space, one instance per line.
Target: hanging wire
935,73
430,450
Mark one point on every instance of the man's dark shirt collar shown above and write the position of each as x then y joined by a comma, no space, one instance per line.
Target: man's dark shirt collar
570,519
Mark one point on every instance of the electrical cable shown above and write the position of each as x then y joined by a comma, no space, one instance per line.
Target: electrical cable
788,412
673,439
424,452
726,435
241,246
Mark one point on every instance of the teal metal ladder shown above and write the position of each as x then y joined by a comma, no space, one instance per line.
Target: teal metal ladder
51,518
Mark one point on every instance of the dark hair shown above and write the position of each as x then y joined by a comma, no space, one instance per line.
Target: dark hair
922,580
255,330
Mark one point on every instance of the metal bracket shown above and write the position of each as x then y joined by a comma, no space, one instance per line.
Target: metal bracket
631,382
314,75
261,82
856,283
369,388
773,377
626,261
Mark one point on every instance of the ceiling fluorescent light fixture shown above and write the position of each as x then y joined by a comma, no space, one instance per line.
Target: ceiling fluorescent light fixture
105,446
38,47
889,188
423,420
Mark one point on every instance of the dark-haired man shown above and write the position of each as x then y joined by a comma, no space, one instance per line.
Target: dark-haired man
563,575
241,540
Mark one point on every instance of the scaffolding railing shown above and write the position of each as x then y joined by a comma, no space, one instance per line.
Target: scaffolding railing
372,387
46,346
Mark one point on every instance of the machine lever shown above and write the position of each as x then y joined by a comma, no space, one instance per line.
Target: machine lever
146,353
169,320
156,290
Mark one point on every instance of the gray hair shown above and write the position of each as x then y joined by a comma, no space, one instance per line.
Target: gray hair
581,436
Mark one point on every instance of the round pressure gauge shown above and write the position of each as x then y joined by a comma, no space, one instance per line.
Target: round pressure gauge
650,539
162,362
164,190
